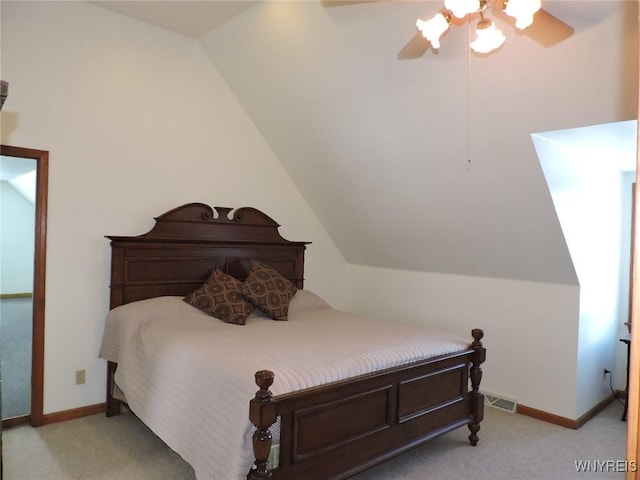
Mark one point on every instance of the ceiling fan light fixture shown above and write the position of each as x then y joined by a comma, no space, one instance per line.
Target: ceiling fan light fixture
462,8
520,14
433,29
523,11
489,38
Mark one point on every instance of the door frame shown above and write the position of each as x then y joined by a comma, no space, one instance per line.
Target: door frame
36,416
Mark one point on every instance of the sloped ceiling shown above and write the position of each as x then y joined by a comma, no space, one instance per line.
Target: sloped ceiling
427,164
191,18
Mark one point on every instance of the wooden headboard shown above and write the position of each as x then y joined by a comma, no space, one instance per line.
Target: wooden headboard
176,256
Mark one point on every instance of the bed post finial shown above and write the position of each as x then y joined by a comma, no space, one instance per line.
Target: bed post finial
264,379
477,398
262,413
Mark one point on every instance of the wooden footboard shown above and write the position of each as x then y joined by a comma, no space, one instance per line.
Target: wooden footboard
337,430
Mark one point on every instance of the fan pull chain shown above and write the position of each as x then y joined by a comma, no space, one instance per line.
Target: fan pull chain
469,98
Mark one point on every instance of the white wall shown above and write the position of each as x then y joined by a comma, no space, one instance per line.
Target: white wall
530,328
602,316
17,223
620,365
592,197
137,121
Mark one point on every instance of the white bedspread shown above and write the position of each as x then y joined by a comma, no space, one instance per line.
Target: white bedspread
189,377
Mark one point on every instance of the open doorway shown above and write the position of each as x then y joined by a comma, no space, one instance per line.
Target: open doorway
35,297
17,227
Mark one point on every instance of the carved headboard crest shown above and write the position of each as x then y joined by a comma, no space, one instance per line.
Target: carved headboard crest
197,220
196,212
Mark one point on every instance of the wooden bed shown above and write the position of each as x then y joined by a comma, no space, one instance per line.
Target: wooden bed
372,417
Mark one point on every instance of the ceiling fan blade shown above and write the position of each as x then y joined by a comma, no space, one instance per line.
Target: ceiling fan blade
546,29
415,48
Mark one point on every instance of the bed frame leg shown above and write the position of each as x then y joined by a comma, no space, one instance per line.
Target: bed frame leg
262,413
113,404
477,398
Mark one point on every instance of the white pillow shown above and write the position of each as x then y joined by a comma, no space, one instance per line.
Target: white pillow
306,301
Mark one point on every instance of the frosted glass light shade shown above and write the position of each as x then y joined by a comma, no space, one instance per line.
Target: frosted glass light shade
461,8
433,29
522,11
488,37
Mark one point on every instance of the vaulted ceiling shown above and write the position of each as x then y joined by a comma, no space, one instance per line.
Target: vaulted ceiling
421,164
191,18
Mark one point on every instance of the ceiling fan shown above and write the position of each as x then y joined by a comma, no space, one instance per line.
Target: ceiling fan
526,16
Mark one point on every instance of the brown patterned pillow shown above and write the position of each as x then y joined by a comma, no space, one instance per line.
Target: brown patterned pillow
220,297
268,290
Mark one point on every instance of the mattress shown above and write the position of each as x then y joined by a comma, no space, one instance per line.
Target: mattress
189,377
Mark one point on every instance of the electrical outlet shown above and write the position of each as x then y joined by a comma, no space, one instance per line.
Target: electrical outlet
79,377
606,371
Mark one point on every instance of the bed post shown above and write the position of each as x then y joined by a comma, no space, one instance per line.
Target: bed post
477,398
262,413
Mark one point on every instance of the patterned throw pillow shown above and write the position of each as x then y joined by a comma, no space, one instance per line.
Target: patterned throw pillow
220,297
268,290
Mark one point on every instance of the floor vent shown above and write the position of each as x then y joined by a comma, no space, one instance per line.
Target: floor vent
501,403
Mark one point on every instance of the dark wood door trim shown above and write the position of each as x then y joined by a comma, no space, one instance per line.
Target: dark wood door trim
39,275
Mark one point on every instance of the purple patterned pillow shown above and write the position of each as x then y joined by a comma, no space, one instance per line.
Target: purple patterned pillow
268,290
220,297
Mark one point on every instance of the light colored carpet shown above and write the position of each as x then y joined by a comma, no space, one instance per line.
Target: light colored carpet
15,355
511,447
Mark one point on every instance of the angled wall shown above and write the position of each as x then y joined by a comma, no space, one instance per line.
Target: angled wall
137,121
427,164
589,172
